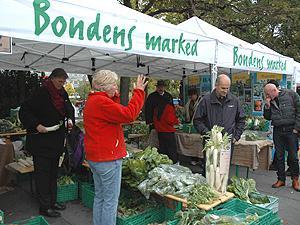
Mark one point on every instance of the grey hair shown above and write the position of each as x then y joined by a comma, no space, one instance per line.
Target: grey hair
103,80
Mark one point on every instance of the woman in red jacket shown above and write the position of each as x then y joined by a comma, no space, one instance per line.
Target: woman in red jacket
104,140
164,121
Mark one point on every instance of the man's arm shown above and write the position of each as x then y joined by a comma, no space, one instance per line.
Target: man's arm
201,117
267,109
239,122
149,109
297,111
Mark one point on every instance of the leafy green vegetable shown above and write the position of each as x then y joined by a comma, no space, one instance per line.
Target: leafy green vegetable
133,205
202,194
65,180
191,216
246,190
170,179
135,168
257,198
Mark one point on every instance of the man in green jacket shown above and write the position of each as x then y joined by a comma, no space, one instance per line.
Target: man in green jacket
282,107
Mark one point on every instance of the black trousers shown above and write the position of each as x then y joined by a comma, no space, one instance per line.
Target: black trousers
168,145
274,162
285,140
45,175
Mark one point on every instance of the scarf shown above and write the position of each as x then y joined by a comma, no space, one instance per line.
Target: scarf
56,96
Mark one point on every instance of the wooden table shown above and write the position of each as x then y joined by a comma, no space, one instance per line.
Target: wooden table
252,154
12,134
223,198
136,137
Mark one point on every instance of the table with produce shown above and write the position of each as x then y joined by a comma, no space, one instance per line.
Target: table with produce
148,174
254,150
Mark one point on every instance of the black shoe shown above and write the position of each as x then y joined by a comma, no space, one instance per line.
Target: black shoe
50,213
288,172
59,206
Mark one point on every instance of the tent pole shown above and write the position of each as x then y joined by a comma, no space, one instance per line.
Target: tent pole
183,86
214,68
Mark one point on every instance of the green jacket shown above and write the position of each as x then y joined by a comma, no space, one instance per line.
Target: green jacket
288,111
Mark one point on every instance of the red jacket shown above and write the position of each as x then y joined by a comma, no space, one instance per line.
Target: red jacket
102,117
167,120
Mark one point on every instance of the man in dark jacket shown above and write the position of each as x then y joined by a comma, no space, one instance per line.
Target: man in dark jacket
221,108
49,106
153,101
283,109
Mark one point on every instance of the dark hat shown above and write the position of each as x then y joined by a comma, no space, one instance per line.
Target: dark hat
160,83
59,72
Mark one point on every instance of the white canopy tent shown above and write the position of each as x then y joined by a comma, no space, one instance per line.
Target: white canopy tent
232,52
297,72
84,35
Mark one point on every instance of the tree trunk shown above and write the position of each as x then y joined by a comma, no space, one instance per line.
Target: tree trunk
124,90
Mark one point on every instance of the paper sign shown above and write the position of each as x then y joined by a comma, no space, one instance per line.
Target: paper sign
224,161
5,45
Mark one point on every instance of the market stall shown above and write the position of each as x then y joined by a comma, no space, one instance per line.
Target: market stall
93,45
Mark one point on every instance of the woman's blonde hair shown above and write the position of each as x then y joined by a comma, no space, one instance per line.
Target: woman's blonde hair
103,80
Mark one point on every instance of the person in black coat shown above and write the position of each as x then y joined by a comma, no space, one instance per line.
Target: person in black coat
220,108
47,107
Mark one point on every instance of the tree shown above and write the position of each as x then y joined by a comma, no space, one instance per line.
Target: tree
83,89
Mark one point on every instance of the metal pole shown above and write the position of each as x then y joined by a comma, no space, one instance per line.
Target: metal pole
214,68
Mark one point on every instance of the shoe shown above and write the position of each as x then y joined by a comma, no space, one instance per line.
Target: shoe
295,184
50,213
288,172
278,184
59,206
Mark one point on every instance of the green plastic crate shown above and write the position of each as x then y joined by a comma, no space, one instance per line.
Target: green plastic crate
157,214
237,206
173,222
275,220
88,194
152,215
39,220
67,192
273,205
80,187
1,217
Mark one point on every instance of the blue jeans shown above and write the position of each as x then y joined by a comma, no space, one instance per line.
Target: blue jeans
107,180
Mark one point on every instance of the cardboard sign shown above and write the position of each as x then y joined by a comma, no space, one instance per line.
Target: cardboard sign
5,45
224,161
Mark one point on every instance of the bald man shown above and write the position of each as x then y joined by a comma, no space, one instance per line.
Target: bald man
221,108
282,107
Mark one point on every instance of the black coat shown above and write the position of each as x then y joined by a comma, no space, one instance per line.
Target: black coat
39,109
287,113
211,112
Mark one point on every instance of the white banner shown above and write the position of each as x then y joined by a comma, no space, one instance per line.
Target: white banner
250,59
101,25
